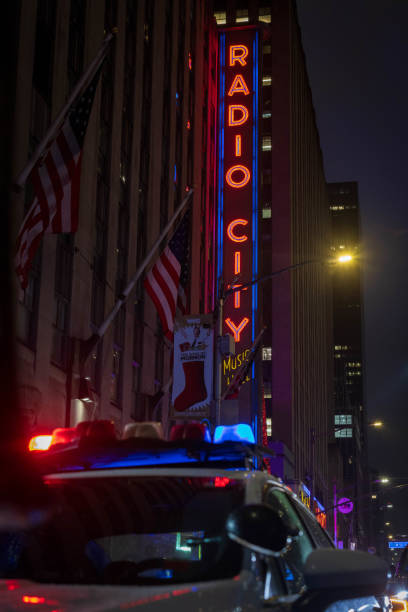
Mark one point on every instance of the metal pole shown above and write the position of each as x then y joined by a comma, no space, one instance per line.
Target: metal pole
335,512
312,476
218,362
89,344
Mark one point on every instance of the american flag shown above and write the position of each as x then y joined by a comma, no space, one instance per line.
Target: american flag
56,179
166,282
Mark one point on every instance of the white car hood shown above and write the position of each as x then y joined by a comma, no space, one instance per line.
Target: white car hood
209,596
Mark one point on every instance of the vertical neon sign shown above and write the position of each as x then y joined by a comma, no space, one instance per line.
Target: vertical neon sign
238,103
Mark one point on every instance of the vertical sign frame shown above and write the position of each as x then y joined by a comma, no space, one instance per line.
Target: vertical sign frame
237,188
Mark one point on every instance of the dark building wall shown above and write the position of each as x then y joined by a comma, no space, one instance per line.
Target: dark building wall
311,314
293,228
348,353
149,111
298,311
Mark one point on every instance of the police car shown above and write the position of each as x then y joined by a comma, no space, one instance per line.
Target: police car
194,523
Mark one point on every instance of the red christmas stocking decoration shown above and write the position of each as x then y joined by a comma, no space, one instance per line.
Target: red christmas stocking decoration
194,390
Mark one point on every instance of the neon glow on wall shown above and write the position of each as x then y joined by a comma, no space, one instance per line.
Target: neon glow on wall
238,102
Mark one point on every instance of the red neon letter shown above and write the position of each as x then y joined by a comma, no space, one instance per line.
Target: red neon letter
237,296
238,145
238,86
238,53
232,236
237,330
232,109
237,262
243,181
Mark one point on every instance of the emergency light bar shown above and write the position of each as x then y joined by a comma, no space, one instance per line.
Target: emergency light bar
102,430
241,432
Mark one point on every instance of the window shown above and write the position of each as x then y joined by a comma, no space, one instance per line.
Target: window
269,427
344,433
266,115
315,530
343,419
221,17
44,48
76,41
266,80
62,299
266,143
266,49
27,318
293,562
241,16
266,353
266,213
265,15
103,522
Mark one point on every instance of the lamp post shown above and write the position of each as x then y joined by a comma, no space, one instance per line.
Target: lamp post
233,288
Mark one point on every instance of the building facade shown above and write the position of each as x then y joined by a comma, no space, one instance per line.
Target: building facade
148,142
349,418
291,229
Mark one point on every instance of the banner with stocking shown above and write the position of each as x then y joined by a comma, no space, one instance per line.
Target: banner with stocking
193,367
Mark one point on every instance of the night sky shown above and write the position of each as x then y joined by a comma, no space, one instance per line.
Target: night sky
357,54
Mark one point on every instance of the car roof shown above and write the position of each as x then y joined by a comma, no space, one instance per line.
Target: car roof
156,454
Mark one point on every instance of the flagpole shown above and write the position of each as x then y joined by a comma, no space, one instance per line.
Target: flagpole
88,74
88,345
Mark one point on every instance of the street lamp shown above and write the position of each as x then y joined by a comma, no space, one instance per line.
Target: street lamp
232,288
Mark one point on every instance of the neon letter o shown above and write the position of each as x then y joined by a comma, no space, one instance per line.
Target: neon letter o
238,184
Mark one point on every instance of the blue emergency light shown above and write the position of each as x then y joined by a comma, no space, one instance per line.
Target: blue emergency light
241,432
397,544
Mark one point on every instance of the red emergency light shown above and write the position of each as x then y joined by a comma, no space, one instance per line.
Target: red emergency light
101,430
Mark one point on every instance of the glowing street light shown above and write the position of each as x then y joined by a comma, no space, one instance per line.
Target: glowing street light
227,290
344,258
376,424
384,480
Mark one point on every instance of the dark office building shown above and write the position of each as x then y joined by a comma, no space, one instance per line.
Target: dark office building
150,139
290,227
349,418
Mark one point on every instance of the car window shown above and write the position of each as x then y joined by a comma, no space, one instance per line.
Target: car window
292,563
318,534
130,531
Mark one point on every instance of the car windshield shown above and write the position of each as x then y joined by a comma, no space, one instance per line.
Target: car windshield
129,530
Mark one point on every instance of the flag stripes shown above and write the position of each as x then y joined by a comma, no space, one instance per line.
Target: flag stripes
164,282
56,182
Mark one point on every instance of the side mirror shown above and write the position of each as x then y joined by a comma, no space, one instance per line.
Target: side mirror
334,575
261,529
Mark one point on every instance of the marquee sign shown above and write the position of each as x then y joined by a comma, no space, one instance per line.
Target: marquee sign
238,103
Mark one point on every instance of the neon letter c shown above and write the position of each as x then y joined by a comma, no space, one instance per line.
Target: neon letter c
230,230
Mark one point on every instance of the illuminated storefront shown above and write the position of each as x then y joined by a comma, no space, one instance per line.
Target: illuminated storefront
237,187
317,508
